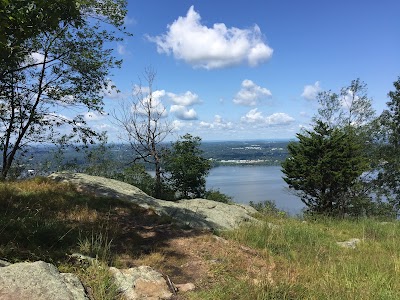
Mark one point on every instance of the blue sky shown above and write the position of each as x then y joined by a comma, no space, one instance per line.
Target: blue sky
242,70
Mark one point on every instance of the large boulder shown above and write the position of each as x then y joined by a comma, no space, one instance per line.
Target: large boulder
196,213
39,280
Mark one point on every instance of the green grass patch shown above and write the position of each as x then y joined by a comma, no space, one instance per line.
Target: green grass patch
310,264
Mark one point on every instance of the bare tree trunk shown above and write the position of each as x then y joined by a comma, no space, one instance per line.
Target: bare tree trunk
144,127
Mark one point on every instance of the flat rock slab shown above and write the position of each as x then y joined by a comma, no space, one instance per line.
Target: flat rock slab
39,280
196,213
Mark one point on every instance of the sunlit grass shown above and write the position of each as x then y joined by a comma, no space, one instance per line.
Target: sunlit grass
313,266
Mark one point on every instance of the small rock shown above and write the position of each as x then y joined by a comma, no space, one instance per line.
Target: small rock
141,283
4,263
273,226
352,243
185,287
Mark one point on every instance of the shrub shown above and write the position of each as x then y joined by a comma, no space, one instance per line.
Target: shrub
267,207
216,195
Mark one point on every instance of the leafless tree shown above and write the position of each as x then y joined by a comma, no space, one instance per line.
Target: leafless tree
145,126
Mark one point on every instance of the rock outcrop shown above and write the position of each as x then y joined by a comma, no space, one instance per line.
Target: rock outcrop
196,213
37,281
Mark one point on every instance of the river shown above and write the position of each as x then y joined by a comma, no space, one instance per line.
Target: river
254,183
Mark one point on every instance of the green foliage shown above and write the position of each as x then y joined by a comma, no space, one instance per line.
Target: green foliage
187,168
137,176
329,167
65,63
217,196
267,207
322,168
24,19
389,150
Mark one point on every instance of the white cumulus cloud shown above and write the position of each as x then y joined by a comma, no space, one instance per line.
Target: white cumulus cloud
279,119
251,94
256,117
182,113
156,106
218,123
212,47
177,125
185,99
310,92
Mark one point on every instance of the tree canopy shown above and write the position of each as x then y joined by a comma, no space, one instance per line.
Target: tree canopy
187,168
65,63
389,148
325,166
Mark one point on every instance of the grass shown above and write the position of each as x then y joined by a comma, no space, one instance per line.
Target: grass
278,258
44,220
313,266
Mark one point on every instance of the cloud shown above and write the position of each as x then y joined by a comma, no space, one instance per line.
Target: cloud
37,57
93,116
177,125
251,94
185,99
348,98
182,113
253,116
310,92
256,117
279,119
121,49
218,123
156,106
111,91
212,47
129,21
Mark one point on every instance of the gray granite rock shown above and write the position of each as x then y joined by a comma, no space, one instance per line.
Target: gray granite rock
196,213
39,280
141,283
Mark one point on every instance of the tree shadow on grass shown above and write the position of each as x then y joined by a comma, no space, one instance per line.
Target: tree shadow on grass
49,221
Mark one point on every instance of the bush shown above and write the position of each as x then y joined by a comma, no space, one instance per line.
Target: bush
267,207
216,195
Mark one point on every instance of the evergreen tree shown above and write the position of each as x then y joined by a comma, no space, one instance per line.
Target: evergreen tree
389,152
322,167
187,168
326,165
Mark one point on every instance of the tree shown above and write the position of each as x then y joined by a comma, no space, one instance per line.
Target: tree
351,108
389,166
325,166
24,19
187,167
322,167
145,126
67,67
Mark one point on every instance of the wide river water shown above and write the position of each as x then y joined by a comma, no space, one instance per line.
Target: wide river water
254,183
